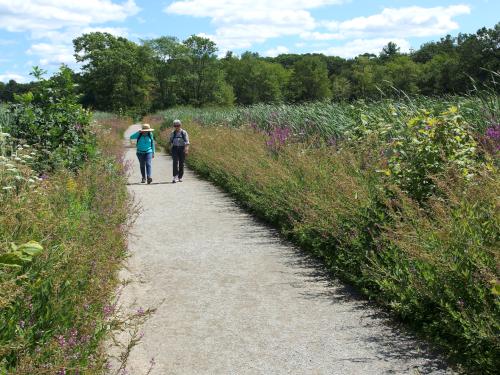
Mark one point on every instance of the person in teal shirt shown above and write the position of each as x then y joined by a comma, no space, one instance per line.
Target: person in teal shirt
145,151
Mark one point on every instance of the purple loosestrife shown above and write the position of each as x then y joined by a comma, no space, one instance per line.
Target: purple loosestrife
108,310
332,141
277,138
61,340
493,135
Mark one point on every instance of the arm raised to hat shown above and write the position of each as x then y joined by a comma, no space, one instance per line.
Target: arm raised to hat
186,143
135,135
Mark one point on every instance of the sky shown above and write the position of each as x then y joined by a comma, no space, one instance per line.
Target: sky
40,32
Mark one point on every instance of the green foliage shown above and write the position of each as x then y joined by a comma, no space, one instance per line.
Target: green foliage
132,79
117,73
427,145
255,80
54,309
51,119
20,255
422,238
309,80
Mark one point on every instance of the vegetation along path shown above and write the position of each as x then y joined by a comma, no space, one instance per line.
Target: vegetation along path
234,299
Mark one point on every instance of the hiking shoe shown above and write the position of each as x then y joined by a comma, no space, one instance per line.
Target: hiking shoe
174,180
150,180
179,180
143,181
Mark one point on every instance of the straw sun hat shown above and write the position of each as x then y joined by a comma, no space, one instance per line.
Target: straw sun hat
146,128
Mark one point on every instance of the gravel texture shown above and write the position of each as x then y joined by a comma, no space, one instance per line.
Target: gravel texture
233,298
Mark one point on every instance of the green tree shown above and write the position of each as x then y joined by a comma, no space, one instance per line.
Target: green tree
203,78
117,73
403,74
254,79
390,51
441,75
309,80
170,59
366,77
341,88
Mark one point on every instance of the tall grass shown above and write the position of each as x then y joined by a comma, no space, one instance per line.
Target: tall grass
334,120
55,310
433,261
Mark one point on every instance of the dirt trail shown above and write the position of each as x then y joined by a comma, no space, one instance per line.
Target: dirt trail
238,300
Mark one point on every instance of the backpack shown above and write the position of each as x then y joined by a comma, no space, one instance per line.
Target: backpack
183,135
141,134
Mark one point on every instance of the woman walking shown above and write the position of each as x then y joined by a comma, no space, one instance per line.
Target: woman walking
145,151
179,140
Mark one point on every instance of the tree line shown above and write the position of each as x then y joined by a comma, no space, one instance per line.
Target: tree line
120,75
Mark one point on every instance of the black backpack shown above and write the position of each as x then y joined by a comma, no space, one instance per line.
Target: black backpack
183,135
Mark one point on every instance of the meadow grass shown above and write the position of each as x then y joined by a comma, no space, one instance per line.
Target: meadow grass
433,262
336,120
56,310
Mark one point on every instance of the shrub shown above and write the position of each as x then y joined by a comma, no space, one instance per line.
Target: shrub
51,119
426,145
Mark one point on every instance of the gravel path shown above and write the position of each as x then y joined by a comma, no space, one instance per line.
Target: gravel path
238,300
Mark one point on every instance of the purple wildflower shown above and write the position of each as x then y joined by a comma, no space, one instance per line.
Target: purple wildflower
85,339
73,337
491,138
108,310
278,137
493,132
61,340
332,141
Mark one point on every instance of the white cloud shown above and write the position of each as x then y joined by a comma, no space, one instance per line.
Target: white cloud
67,35
35,15
16,77
58,22
316,35
398,23
273,52
241,23
359,46
53,54
60,49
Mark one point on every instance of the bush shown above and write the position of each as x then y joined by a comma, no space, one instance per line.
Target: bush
51,119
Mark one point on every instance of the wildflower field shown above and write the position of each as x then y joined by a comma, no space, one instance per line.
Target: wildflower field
398,197
63,223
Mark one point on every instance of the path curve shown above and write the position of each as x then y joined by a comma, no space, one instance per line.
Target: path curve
238,300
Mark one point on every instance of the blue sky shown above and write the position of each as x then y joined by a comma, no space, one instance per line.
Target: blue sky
40,32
